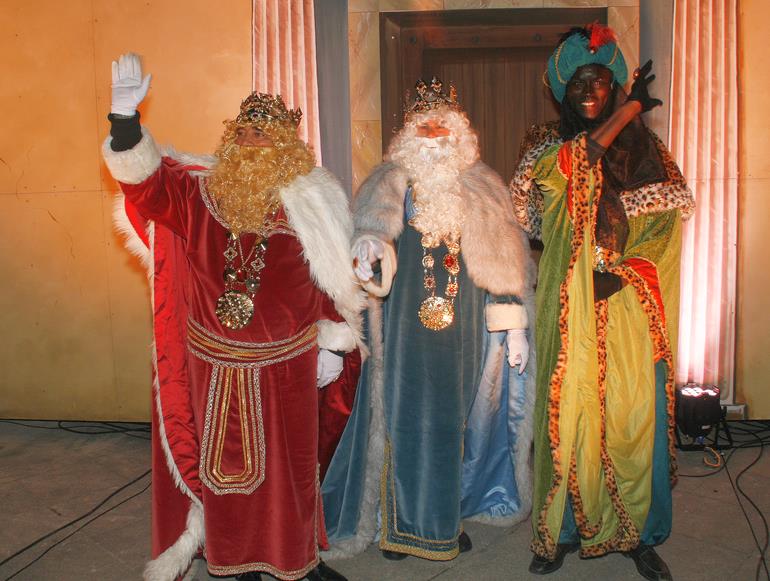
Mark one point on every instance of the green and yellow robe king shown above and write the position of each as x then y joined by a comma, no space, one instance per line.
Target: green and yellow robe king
604,411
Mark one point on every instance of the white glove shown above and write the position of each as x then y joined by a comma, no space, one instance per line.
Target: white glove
128,86
366,252
329,367
518,348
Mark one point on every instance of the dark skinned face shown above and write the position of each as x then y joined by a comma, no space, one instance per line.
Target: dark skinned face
588,90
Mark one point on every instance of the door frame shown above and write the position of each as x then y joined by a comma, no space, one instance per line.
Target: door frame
404,36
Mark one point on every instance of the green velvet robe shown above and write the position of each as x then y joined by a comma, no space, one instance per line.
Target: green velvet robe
604,412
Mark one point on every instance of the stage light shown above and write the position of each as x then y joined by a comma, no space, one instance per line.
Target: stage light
698,409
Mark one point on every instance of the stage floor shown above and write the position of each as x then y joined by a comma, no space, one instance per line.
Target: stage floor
50,476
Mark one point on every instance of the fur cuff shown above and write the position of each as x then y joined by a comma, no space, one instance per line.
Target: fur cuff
134,165
335,336
504,316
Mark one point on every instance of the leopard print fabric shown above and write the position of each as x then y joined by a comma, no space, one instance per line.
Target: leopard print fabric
662,350
528,201
580,213
626,536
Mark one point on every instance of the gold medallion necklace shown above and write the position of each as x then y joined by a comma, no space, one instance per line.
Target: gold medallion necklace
437,312
235,306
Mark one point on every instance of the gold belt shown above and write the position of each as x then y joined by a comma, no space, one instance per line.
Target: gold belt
232,457
218,350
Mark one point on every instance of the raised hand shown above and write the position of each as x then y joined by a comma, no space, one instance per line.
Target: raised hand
639,90
128,86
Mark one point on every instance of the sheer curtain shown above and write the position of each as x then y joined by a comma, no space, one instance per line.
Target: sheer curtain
704,140
284,49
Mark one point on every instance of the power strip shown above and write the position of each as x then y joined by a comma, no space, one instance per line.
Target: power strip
736,411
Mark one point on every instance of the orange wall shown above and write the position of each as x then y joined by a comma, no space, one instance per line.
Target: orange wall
753,317
74,305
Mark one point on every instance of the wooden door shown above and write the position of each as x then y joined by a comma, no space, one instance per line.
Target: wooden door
495,59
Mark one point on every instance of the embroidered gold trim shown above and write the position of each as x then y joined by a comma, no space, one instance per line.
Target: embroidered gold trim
235,381
556,63
263,567
388,505
246,390
218,350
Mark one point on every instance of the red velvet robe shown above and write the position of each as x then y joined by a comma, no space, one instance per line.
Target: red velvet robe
276,527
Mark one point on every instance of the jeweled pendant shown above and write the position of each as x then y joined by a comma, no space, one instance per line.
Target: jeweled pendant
229,275
234,309
436,313
252,284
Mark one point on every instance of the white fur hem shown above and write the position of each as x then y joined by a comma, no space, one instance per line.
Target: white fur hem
134,165
501,317
335,336
174,561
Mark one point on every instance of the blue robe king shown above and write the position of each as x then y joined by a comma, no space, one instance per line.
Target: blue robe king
441,429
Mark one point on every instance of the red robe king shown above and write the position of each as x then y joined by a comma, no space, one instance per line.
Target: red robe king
235,448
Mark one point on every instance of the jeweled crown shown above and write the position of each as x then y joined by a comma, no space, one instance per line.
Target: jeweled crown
429,97
263,107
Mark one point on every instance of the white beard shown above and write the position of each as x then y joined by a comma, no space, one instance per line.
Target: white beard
434,167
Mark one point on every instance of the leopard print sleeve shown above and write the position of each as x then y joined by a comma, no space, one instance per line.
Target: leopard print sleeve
527,198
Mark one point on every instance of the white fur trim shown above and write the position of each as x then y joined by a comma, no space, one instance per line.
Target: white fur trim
318,210
501,317
494,247
335,336
174,561
131,239
164,566
378,209
134,165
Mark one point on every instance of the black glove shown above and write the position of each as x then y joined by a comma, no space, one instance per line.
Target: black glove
606,284
639,88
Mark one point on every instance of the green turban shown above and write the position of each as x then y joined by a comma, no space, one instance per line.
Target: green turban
594,44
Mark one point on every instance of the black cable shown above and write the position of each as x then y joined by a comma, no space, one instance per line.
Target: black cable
736,490
72,522
138,430
18,423
81,527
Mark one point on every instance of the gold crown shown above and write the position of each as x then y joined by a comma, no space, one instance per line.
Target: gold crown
431,97
261,107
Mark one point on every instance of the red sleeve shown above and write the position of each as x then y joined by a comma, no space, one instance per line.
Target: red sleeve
164,196
327,309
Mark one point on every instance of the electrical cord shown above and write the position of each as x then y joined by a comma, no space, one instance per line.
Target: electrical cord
81,527
736,486
85,428
755,435
134,430
78,519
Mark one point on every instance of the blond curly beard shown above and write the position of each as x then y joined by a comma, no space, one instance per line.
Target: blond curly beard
246,180
434,166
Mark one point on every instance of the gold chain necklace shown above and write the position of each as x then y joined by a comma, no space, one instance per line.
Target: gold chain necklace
437,313
235,306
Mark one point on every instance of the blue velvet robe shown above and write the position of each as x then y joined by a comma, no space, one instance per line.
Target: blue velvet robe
438,443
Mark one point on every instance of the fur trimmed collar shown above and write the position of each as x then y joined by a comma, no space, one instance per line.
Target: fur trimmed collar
494,246
316,206
672,194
